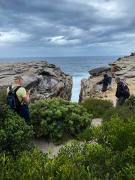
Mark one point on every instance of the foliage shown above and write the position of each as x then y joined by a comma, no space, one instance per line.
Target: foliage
124,112
97,106
56,118
15,134
75,161
131,102
86,135
29,165
3,96
117,134
111,155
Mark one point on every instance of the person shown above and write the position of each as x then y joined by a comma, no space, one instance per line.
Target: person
105,83
109,80
122,92
22,96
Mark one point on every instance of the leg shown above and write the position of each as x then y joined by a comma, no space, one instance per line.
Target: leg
24,112
120,101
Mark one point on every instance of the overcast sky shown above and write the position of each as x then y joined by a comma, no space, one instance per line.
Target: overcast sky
66,27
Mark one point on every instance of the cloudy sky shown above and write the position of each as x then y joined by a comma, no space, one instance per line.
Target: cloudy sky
66,27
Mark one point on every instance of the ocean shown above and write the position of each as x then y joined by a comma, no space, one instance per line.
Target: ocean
77,67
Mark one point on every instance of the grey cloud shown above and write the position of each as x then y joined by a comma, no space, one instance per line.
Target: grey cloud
74,21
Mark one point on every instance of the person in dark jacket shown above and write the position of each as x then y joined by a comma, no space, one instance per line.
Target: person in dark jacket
105,83
122,92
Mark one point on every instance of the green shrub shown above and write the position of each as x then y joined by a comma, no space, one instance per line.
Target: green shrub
117,134
130,102
3,95
55,118
15,134
75,161
28,165
84,161
123,112
97,106
86,135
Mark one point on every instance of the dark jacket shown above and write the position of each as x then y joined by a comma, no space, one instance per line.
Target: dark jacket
105,81
122,90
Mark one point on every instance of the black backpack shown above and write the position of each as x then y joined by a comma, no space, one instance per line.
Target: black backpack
126,91
12,99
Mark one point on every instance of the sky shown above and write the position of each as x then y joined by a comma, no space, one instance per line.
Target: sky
41,28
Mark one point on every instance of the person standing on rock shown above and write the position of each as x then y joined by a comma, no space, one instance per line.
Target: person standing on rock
122,92
18,98
109,80
105,83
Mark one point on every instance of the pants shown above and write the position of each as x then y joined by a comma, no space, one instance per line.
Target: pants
120,101
24,112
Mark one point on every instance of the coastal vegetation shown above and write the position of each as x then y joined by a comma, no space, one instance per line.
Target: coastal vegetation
102,152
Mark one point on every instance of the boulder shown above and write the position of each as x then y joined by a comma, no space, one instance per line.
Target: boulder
45,80
99,71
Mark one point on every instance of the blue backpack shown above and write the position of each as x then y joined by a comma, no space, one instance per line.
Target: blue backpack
12,99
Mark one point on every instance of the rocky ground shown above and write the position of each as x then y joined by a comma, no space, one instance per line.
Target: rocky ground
123,67
45,80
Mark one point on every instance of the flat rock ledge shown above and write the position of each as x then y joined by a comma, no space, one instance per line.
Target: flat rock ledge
45,80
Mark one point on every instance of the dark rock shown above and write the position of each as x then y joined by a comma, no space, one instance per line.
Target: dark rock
132,54
99,71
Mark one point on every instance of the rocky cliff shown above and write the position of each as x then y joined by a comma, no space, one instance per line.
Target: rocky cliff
45,80
123,67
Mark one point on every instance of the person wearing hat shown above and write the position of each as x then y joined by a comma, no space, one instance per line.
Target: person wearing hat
23,97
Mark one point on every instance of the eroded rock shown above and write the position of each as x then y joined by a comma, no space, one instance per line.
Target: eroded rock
45,80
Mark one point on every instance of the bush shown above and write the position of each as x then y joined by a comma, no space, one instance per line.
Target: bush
117,134
75,161
123,112
3,95
28,165
130,102
15,134
55,118
97,106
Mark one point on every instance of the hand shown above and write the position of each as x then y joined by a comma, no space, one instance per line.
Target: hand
28,92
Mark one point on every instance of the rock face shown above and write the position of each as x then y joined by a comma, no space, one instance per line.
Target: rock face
123,67
45,80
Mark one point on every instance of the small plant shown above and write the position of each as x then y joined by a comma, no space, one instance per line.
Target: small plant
97,106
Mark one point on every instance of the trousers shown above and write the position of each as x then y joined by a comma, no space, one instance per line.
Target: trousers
24,112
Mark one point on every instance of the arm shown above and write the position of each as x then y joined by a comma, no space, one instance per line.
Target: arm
24,95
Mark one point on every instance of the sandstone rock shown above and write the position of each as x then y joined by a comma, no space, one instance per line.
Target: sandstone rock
45,80
123,67
98,71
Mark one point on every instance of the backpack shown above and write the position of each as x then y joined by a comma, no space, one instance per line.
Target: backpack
12,99
126,92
